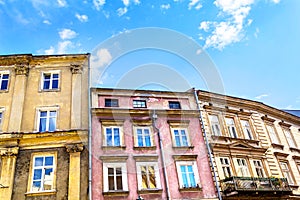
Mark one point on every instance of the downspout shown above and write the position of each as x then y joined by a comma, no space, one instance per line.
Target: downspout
89,131
207,145
154,117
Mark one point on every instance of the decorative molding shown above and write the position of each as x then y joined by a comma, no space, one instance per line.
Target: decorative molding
76,68
145,158
73,148
185,157
282,123
114,158
22,69
266,118
9,151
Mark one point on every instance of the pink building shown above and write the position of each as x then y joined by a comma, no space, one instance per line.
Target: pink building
148,144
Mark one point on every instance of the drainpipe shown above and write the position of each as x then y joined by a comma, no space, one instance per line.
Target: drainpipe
90,131
207,145
154,118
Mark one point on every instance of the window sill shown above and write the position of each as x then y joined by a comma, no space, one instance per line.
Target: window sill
183,147
277,146
116,193
145,148
4,91
191,189
294,149
216,137
41,193
150,191
113,147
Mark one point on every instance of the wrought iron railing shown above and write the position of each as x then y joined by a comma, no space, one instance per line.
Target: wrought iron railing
234,183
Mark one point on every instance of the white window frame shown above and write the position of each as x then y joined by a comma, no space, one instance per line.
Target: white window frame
143,128
259,168
195,171
105,176
156,173
1,79
51,73
226,167
273,134
48,110
33,167
286,172
242,167
247,129
173,129
231,127
215,125
139,103
113,142
289,137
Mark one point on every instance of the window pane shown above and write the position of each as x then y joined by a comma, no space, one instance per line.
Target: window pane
55,76
37,174
52,124
151,173
119,183
191,176
184,138
55,84
111,185
38,161
49,161
4,84
184,176
116,137
108,137
36,186
140,137
177,138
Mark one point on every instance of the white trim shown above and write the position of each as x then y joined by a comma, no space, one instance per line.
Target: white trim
105,175
139,174
136,142
180,136
46,109
195,171
120,135
51,80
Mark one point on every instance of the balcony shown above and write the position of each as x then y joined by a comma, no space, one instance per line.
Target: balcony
234,185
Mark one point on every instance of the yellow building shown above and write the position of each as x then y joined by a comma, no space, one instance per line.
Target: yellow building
44,126
255,148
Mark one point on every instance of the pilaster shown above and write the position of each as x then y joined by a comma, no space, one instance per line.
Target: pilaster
8,161
76,112
74,171
15,121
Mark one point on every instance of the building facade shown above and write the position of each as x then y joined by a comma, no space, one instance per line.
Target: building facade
44,127
255,147
148,145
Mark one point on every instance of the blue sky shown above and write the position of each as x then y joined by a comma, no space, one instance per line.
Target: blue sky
253,43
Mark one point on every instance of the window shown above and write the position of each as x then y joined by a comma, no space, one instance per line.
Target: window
50,81
4,77
139,104
174,105
47,120
42,177
225,164
286,172
111,103
143,137
112,136
148,175
242,168
273,135
231,127
180,137
259,169
215,125
114,177
247,129
187,174
289,138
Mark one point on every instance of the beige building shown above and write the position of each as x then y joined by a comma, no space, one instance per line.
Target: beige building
255,147
43,126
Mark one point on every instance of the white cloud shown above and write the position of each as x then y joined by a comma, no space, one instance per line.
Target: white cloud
122,11
259,97
195,4
231,29
101,58
204,25
275,1
199,51
46,22
67,34
98,4
126,2
64,46
256,33
165,6
82,18
50,51
136,2
62,3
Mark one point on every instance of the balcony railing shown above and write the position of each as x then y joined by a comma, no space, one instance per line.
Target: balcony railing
233,184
